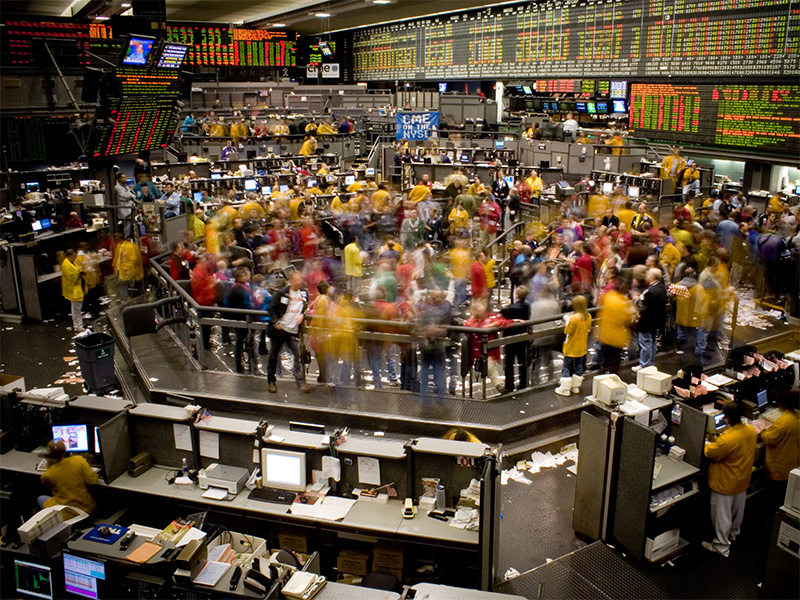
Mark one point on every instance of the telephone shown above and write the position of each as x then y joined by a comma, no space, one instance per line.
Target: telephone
303,585
409,510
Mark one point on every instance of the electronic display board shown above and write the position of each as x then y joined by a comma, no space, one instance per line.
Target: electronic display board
603,88
764,118
212,46
587,38
315,53
618,89
20,35
39,139
141,82
171,55
138,124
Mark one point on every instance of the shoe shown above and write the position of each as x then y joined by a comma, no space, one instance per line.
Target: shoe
564,387
710,547
576,383
637,368
272,388
304,388
394,383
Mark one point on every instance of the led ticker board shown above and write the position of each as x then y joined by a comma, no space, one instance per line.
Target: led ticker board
21,35
211,46
43,140
763,118
619,89
138,124
141,82
315,53
588,38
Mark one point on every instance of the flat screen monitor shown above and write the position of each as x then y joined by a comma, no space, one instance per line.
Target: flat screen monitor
349,179
36,225
283,469
172,55
138,50
719,422
33,580
32,186
216,176
602,108
761,398
797,190
284,188
565,106
198,196
45,224
580,107
527,89
266,190
81,575
618,106
499,144
96,442
509,180
75,437
591,108
442,88
250,185
84,182
465,158
633,191
312,183
608,187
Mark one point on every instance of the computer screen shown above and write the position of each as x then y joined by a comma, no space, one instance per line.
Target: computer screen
633,191
370,172
75,437
85,182
172,55
602,107
198,196
32,186
619,106
465,158
442,88
312,183
761,398
591,108
96,442
580,107
797,190
499,144
349,179
266,190
138,51
45,223
216,176
250,185
284,189
527,89
283,469
36,226
81,575
509,180
608,187
719,422
33,580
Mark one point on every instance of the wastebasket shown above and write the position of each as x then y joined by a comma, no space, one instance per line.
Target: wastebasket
96,356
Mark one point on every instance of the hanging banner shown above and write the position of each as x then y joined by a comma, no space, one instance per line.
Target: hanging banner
416,125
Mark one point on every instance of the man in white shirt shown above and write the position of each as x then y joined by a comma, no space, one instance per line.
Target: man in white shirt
124,197
173,201
570,128
286,314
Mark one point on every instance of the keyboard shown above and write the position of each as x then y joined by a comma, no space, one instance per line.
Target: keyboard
272,495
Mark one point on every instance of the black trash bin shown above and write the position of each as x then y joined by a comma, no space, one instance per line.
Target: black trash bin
96,356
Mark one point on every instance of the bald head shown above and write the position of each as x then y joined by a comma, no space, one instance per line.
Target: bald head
654,276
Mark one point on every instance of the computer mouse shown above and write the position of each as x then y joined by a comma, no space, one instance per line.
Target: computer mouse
103,531
303,499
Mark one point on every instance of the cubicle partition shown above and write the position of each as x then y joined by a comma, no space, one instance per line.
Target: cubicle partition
165,432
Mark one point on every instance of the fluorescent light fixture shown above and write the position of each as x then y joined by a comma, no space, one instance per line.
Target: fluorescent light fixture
322,15
381,1
279,24
125,5
101,18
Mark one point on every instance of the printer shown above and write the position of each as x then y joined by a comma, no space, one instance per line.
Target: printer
223,476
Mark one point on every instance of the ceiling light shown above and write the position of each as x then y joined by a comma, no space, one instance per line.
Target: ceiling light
322,15
381,1
279,24
101,18
125,5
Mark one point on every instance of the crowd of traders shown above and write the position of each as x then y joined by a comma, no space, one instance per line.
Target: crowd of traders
425,263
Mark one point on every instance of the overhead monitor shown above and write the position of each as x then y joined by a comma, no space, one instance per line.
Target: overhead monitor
608,187
75,437
283,469
580,107
36,226
565,106
619,89
266,190
527,89
198,196
619,106
591,108
633,191
250,185
81,575
33,580
172,55
45,224
137,51
761,398
797,190
284,188
537,106
216,176
442,88
602,108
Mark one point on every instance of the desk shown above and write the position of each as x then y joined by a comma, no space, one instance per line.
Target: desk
101,403
433,591
672,472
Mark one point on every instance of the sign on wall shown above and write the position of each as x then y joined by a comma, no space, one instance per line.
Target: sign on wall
416,125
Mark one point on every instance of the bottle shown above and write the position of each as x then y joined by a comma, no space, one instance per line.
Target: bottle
440,501
185,468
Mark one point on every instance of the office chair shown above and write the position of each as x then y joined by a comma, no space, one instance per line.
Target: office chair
381,581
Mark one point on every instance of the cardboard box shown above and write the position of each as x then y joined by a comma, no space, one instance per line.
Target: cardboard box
387,555
294,541
247,546
11,383
355,562
662,543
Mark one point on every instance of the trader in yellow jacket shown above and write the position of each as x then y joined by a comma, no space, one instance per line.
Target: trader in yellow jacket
729,473
72,288
309,147
127,266
782,439
616,318
69,478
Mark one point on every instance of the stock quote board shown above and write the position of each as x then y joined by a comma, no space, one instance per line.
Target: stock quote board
139,124
585,38
763,118
211,46
20,37
39,140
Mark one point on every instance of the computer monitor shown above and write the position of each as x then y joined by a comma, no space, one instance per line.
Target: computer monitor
171,55
465,158
283,469
36,226
602,108
84,182
762,399
216,176
618,106
81,575
369,171
536,105
716,422
797,190
633,191
580,107
198,196
75,437
312,183
283,189
442,88
591,108
349,179
266,190
509,180
527,89
33,580
250,185
608,187
32,186
137,52
45,224
96,442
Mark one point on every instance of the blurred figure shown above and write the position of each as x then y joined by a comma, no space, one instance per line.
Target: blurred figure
652,305
577,329
72,288
286,314
519,311
482,319
435,314
240,296
616,318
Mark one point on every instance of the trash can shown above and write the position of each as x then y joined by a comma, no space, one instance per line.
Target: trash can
96,357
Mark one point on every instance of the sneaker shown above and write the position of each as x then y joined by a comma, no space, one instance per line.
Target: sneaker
637,368
710,547
272,388
394,383
304,388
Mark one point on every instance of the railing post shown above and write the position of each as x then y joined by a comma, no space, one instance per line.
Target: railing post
485,365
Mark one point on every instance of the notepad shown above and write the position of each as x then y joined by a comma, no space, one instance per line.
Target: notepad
211,573
144,552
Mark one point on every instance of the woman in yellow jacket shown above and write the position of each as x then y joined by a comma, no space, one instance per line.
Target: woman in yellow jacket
127,266
782,440
72,288
535,183
579,323
459,220
616,318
